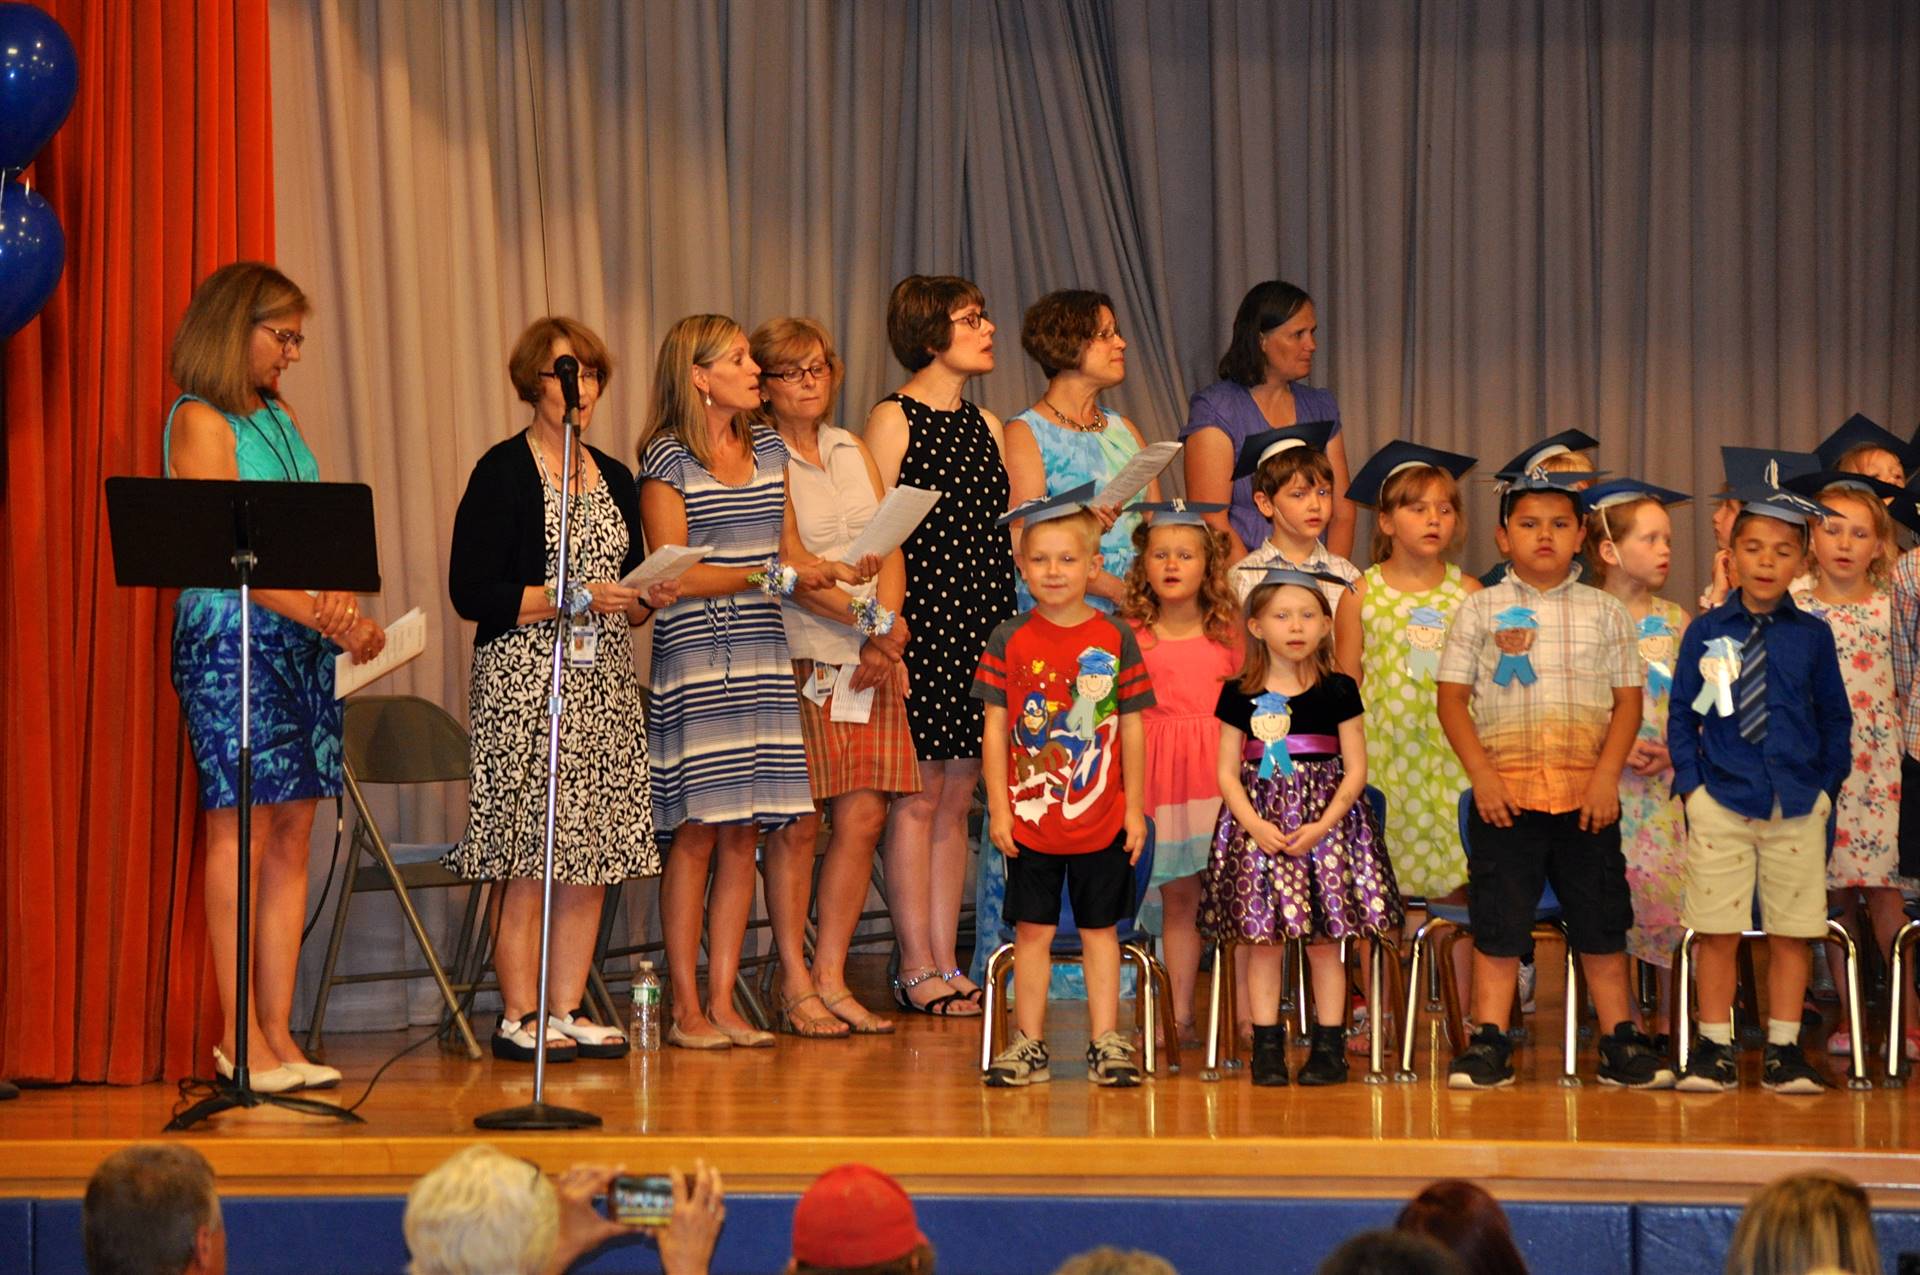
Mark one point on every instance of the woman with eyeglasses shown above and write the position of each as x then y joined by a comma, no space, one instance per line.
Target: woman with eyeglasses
242,329
1262,386
503,574
729,757
959,586
846,646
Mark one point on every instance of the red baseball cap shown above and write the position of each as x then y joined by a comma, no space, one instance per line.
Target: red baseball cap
853,1216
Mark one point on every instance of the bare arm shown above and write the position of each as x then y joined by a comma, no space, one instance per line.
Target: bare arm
1347,637
993,770
1454,705
1026,475
663,513
885,436
1233,793
1601,806
1340,526
1208,462
1133,778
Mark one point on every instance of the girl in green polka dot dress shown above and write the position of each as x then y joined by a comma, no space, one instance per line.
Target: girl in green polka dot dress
1407,598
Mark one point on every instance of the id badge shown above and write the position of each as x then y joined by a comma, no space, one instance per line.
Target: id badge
583,642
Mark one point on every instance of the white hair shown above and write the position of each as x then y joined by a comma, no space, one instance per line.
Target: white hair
481,1212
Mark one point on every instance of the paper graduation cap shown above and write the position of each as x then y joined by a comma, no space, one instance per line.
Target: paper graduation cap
1176,512
1763,466
1064,505
1268,442
1567,440
1618,491
1858,431
1900,501
1396,456
1294,575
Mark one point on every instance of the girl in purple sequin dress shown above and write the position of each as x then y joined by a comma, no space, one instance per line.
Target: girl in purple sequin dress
1298,852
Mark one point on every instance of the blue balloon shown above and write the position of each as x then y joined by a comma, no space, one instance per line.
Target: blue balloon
38,75
32,250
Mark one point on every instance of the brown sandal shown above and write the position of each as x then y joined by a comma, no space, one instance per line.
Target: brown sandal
830,1028
869,1025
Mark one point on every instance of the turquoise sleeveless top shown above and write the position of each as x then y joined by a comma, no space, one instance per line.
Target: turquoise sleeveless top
267,447
1073,457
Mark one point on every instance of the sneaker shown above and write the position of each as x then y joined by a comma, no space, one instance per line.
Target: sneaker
1486,1062
1327,1063
1786,1070
1628,1060
1710,1068
1840,1044
1529,975
1022,1062
1269,1065
1110,1061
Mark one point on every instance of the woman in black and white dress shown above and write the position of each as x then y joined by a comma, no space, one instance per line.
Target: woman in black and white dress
503,568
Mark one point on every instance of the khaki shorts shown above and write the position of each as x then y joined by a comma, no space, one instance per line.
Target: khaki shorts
1727,851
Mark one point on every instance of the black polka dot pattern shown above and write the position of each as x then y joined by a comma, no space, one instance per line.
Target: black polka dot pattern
959,573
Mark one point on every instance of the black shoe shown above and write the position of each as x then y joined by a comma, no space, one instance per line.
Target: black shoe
1486,1062
1628,1060
1710,1068
1327,1064
1785,1069
1270,1055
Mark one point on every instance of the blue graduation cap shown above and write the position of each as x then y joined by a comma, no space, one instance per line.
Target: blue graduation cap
1176,512
1900,501
1619,491
1098,662
1270,442
1295,575
1399,455
1778,503
1046,508
1567,440
1859,431
1763,466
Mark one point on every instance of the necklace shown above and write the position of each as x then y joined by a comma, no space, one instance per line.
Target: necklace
285,459
1095,426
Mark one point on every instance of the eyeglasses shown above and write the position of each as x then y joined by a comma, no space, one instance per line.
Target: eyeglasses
975,319
287,337
1107,334
586,374
800,375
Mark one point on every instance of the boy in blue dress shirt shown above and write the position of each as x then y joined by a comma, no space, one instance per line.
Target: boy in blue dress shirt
1758,730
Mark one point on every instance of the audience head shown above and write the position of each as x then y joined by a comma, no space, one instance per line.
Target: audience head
1273,335
542,342
1107,1260
152,1210
1391,1253
855,1220
228,348
704,362
1804,1223
1469,1223
927,312
800,373
482,1212
1074,330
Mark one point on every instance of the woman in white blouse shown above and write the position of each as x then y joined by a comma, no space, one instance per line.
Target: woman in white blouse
846,646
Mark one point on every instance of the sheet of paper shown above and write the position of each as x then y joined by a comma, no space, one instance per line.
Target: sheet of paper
850,705
903,510
668,562
1137,473
406,638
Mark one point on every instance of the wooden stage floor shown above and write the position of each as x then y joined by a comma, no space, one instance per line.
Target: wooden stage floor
913,1105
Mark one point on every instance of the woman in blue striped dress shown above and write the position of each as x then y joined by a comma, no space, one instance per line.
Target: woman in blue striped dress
723,725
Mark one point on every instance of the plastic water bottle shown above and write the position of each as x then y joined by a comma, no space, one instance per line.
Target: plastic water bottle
645,1029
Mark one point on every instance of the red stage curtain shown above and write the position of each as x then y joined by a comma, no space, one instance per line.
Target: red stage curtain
163,172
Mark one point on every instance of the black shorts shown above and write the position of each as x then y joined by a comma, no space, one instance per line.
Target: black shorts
1909,816
1508,868
1098,885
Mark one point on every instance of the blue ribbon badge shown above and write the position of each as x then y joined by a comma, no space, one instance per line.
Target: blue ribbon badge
1658,643
1272,722
1513,632
1426,630
1719,670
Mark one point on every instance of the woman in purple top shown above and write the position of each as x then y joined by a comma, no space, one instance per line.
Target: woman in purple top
1262,386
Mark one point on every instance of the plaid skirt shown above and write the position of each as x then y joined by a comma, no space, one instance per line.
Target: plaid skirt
844,757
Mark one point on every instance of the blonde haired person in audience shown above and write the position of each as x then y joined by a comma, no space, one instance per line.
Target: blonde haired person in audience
1806,1223
483,1212
1107,1260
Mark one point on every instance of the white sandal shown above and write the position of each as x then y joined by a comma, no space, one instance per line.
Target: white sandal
513,1040
592,1040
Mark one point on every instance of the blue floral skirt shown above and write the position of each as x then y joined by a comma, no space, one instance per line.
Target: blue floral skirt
296,719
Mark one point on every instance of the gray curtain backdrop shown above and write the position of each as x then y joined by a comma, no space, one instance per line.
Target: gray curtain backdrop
1672,223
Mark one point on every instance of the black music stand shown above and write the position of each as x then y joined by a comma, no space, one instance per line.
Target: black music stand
174,533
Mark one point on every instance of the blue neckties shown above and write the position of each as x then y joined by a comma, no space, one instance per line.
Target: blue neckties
1750,694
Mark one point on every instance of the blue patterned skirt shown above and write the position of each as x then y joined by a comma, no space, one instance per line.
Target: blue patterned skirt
1341,888
296,719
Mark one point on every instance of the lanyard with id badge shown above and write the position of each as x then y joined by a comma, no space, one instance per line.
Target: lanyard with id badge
583,628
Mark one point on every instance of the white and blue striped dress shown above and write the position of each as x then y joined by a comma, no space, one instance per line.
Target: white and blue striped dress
723,724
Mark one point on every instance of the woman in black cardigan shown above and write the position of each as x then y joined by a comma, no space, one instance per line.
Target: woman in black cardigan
502,574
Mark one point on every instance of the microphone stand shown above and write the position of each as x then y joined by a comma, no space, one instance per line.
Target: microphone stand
540,1114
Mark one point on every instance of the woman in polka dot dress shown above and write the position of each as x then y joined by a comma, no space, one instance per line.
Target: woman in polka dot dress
959,585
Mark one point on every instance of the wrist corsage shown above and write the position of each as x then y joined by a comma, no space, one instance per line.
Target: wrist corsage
776,579
870,618
579,600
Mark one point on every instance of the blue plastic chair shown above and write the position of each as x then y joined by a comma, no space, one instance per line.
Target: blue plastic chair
1433,942
1153,988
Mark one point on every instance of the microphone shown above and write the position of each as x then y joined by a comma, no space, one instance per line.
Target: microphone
567,368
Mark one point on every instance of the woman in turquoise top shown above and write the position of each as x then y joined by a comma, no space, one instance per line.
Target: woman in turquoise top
1067,438
242,329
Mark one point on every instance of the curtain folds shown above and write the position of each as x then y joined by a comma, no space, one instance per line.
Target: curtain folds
163,171
1672,224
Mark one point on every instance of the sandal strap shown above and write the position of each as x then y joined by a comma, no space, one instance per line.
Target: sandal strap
585,1031
788,1006
520,1032
908,984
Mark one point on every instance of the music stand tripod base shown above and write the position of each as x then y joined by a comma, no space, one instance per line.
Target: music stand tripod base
231,1097
535,1116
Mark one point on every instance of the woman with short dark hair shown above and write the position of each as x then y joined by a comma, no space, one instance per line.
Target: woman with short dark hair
1469,1222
